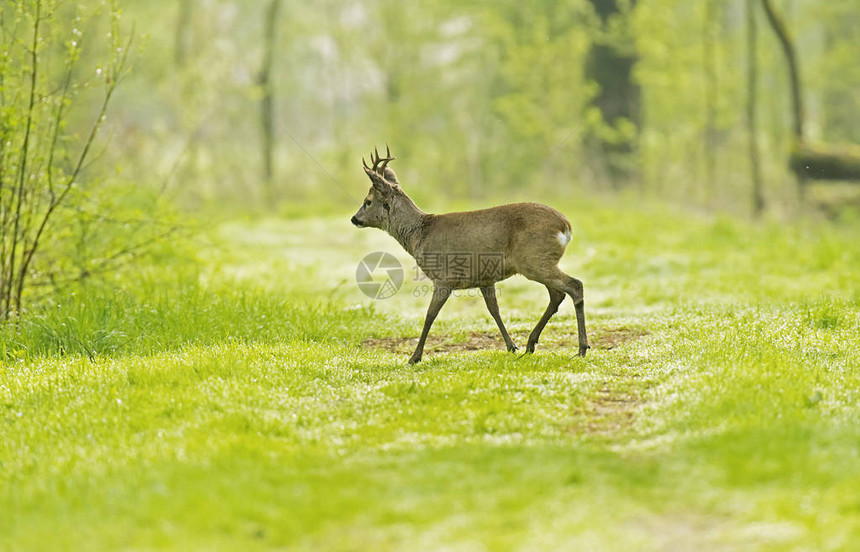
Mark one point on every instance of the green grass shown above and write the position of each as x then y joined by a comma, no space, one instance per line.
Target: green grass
233,402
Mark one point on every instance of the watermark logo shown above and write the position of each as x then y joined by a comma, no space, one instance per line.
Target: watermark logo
379,275
453,266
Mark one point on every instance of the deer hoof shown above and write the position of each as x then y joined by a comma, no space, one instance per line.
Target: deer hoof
513,348
414,360
583,349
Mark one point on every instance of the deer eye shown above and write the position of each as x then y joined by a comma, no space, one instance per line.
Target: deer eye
367,203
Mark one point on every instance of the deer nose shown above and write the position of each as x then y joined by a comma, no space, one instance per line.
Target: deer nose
355,221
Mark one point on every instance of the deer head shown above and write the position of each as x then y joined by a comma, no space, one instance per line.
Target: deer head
384,191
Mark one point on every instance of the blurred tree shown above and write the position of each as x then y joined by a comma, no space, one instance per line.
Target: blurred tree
752,108
778,26
534,82
610,64
183,32
264,81
710,37
485,97
839,71
786,42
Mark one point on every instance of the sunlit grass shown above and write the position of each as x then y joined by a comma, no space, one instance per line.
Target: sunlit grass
234,402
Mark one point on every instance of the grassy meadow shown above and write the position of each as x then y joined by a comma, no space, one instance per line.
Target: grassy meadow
242,393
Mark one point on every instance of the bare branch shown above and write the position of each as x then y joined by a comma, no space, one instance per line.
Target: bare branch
34,65
112,81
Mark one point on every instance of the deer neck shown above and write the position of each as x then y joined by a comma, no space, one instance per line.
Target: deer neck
405,223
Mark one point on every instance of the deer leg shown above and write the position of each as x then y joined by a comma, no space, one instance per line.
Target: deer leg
555,299
489,293
575,290
440,295
557,280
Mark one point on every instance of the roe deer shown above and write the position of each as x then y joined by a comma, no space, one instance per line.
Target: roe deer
522,238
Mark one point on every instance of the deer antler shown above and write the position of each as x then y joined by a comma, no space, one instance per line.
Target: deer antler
376,159
388,158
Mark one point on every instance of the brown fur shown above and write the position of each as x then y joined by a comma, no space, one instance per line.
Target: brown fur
523,237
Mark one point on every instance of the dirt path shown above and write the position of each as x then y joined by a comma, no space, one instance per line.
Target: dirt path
606,339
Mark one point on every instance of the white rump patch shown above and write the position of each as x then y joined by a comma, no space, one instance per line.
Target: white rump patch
564,238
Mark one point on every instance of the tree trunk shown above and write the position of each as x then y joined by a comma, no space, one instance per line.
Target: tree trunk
785,40
709,63
610,65
787,44
752,109
267,111
182,39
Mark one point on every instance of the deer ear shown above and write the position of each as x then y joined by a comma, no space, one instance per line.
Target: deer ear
390,176
380,184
